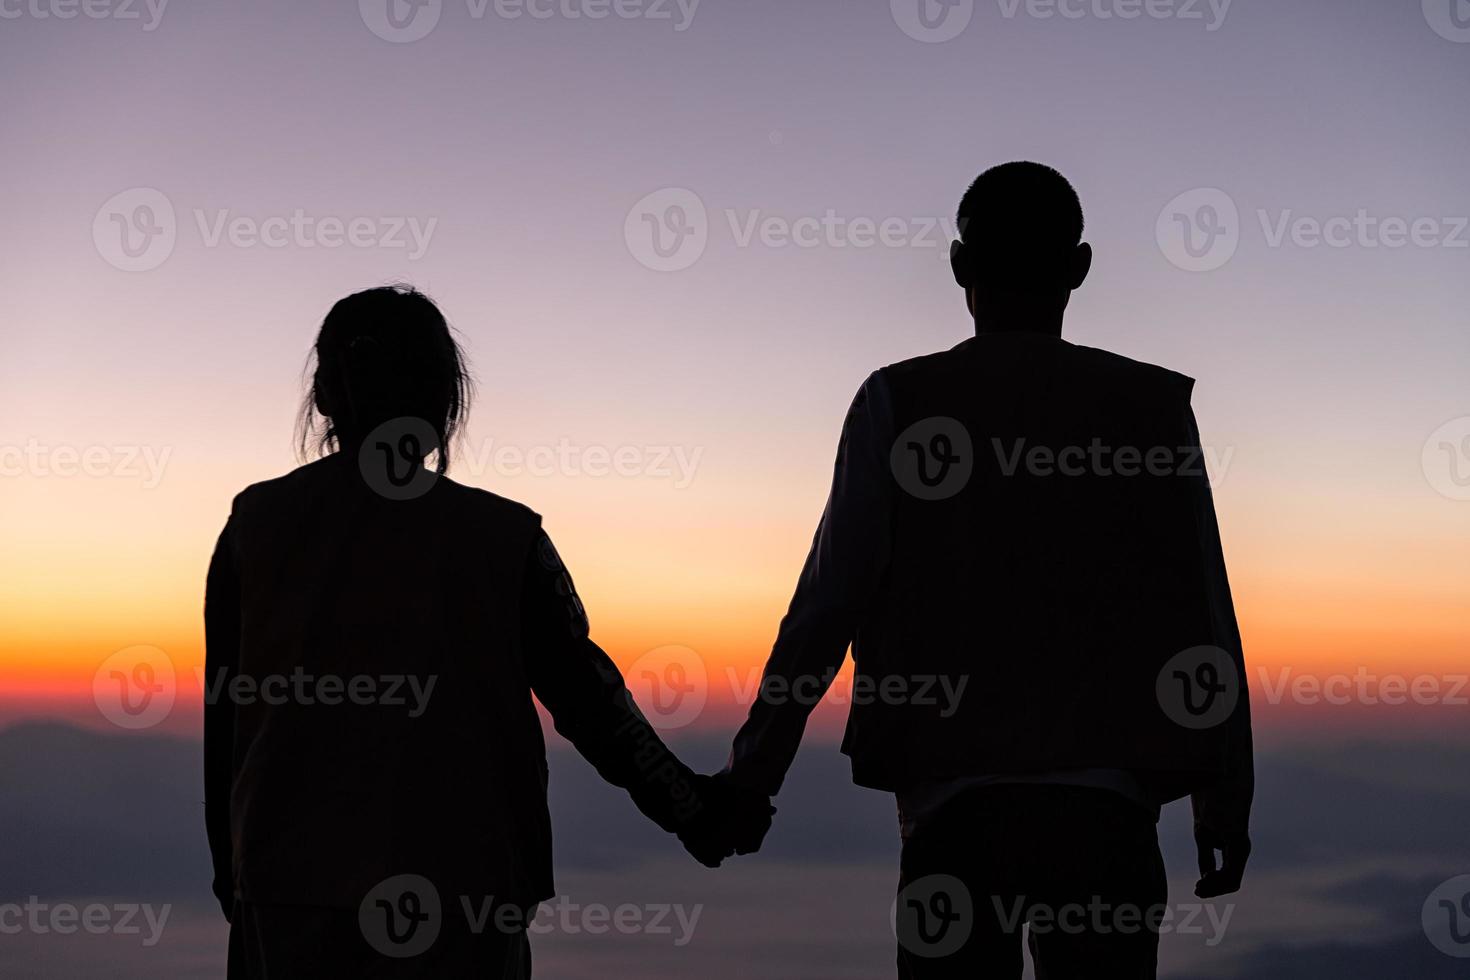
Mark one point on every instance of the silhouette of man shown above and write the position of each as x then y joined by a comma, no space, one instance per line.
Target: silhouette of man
375,771
1020,547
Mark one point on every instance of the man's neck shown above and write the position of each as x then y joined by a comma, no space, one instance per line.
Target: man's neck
1019,313
992,324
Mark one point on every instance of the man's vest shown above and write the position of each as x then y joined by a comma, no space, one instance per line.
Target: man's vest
1046,552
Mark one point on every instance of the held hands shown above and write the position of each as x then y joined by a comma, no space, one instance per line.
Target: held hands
733,820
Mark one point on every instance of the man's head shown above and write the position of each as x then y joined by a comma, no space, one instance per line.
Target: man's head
1020,244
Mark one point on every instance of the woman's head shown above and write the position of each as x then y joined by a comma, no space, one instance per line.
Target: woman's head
384,354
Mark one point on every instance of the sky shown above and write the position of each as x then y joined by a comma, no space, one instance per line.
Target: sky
680,236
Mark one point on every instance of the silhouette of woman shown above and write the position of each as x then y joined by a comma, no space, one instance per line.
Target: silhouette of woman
375,770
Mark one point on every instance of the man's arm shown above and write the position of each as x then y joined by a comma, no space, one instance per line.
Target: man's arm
1222,809
842,571
221,661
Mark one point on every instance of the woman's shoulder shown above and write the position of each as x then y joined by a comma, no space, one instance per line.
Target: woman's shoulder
485,501
298,481
334,475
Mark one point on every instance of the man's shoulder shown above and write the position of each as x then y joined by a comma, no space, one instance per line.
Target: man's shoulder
1108,363
936,362
1106,367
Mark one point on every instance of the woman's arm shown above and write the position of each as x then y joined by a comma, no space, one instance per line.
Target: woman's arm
221,660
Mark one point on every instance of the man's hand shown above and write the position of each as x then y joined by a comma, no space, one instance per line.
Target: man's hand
732,821
1224,878
224,893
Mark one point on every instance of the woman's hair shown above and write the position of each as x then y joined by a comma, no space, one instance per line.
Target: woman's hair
383,354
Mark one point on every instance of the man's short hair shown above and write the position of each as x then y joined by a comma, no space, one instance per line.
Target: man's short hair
1020,215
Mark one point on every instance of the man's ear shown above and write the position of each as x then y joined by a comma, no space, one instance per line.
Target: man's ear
959,263
1079,264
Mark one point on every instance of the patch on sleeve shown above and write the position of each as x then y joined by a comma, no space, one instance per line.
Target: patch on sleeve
546,554
579,625
561,584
